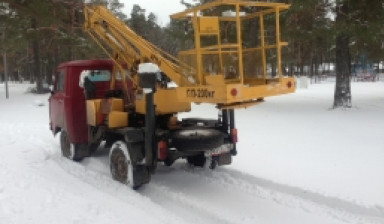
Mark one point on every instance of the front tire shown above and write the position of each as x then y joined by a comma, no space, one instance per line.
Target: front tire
68,149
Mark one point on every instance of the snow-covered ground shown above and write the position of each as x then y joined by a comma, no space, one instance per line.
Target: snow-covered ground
299,162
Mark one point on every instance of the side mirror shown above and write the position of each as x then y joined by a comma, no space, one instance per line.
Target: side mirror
51,89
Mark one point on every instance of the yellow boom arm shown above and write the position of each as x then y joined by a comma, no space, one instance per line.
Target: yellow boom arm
122,44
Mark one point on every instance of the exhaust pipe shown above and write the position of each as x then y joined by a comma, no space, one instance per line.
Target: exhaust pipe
147,80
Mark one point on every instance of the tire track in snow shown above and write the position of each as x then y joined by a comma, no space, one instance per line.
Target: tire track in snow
183,208
181,190
199,191
8,134
186,205
293,197
102,183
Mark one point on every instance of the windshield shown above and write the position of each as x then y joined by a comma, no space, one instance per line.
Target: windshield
94,76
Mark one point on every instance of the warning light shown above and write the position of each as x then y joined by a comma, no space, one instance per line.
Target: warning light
234,135
234,92
162,150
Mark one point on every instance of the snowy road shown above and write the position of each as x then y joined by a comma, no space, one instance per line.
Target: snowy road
37,185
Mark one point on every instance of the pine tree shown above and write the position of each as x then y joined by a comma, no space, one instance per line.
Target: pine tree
359,30
367,29
306,28
116,7
45,33
138,21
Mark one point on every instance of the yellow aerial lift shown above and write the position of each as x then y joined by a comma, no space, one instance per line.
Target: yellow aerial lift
224,72
227,67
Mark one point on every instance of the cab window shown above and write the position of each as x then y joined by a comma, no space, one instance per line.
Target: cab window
60,81
98,75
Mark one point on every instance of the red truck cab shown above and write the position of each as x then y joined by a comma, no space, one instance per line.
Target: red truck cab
67,103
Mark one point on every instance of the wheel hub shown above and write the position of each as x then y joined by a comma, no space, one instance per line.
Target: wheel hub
121,167
65,145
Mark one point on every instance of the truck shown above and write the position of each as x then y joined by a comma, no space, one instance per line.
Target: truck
130,102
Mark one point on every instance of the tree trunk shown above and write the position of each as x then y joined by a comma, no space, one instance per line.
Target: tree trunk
36,66
50,69
311,68
301,69
342,96
36,60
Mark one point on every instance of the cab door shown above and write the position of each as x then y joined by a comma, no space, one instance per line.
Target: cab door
56,102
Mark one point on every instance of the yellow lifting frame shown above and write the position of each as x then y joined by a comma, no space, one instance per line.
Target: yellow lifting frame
249,90
240,44
278,42
268,8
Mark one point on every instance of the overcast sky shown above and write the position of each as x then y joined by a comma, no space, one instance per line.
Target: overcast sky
161,8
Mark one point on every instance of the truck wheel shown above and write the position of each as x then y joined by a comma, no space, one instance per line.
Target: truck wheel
197,139
123,168
68,149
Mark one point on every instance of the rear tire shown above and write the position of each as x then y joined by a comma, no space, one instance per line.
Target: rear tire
124,169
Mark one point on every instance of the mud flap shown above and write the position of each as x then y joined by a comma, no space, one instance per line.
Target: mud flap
224,159
141,175
81,151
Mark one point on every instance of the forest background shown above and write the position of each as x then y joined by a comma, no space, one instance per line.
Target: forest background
325,37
